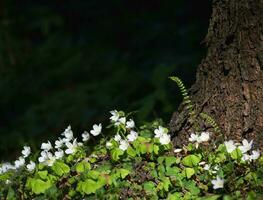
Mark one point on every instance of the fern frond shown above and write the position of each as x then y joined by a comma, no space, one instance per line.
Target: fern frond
210,120
186,98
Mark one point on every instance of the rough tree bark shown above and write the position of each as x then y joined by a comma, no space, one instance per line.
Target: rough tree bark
229,81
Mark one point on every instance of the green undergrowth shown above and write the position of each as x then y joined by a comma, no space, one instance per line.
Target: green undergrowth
134,161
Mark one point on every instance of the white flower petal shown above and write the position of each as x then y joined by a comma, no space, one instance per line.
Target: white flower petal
132,136
46,146
117,137
124,145
96,129
204,137
165,139
218,183
130,124
31,166
26,151
230,146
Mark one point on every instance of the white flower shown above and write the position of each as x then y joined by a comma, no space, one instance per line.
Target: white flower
130,124
43,157
59,154
160,131
255,155
20,162
117,137
115,115
59,143
246,146
245,157
96,129
204,137
193,137
230,146
177,150
71,147
46,146
85,136
31,166
108,144
5,167
50,160
26,151
47,158
68,134
202,163
207,167
132,136
165,139
121,120
124,145
216,168
218,183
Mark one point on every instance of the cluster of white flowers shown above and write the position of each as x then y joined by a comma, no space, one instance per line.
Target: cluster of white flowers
65,145
230,147
118,120
244,148
218,182
95,132
162,134
197,139
20,162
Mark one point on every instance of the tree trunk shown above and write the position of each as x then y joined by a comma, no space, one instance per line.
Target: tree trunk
229,81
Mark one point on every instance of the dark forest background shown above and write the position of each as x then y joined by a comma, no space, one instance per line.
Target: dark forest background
71,62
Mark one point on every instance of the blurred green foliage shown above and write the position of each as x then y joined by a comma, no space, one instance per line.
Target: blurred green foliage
70,62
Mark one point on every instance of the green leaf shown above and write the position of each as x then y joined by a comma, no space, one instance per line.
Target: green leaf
42,174
174,196
189,172
116,153
191,160
220,158
227,197
236,154
10,194
131,152
60,168
161,170
251,195
172,171
156,149
160,159
142,148
149,187
83,166
89,186
38,186
93,174
164,184
123,173
170,160
191,187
